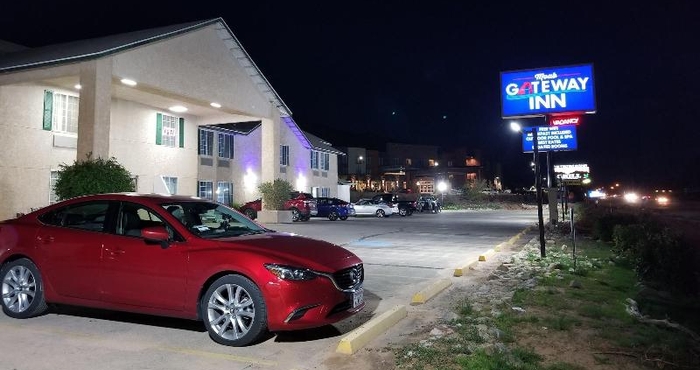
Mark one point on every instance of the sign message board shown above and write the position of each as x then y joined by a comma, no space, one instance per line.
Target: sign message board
551,139
538,92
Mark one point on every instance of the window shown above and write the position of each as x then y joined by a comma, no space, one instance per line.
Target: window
206,190
206,142
314,159
325,158
170,131
394,161
171,184
60,113
53,198
85,216
226,145
224,192
284,155
408,161
134,217
369,161
65,114
320,192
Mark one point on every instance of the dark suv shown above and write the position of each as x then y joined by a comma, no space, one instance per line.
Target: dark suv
298,203
406,207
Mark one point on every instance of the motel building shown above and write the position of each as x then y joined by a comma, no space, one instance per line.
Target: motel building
183,108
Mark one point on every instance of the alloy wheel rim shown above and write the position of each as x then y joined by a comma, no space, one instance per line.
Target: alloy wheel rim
18,289
231,311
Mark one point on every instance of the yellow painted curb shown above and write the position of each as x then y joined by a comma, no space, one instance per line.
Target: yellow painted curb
459,271
488,253
359,337
430,292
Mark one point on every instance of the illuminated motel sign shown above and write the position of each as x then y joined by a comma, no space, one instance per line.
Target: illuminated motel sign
546,91
550,139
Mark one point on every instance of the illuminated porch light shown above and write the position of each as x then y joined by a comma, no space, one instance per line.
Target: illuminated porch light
250,180
78,87
215,105
301,183
128,82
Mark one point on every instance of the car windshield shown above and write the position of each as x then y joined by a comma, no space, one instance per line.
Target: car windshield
212,220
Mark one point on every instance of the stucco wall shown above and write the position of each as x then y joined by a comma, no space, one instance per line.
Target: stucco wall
196,65
133,144
27,153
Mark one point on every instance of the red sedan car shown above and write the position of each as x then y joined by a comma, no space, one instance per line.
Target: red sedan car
175,256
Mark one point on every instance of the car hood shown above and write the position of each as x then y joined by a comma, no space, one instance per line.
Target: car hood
300,251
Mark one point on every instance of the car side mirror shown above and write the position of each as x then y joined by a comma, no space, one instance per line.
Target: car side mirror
156,234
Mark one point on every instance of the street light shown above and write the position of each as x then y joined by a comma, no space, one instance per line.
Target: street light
538,182
442,186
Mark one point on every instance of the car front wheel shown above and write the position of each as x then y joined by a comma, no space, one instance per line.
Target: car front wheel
343,218
403,212
234,311
22,290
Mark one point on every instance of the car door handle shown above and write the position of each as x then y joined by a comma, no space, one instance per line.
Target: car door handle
115,252
45,240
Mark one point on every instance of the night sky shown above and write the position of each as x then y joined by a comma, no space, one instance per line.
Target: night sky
362,73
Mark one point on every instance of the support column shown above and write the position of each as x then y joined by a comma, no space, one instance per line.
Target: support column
270,146
95,108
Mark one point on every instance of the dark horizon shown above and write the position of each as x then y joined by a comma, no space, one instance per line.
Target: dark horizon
430,74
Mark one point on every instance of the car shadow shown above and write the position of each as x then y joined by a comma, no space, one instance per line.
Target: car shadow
128,317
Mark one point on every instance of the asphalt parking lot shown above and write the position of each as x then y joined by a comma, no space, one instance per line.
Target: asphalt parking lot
401,256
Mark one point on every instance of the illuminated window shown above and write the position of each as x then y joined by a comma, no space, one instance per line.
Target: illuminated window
206,142
225,146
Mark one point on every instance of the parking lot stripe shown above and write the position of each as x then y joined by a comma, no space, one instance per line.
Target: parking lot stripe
224,356
430,292
359,337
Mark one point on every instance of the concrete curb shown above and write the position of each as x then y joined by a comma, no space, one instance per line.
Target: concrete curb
430,292
459,271
359,337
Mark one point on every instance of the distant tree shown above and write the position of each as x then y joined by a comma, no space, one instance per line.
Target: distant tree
275,193
92,176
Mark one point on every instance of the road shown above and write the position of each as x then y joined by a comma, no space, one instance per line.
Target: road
401,255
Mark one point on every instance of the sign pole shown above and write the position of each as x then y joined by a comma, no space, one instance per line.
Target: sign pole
538,188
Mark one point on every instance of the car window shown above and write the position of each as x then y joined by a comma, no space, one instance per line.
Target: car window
134,217
86,216
212,220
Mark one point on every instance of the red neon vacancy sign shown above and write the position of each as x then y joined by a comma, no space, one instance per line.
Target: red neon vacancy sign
564,120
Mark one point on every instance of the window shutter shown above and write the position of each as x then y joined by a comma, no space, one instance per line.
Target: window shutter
159,129
182,132
48,109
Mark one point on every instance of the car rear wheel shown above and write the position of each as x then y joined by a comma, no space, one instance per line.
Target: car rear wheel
296,215
250,213
380,213
22,290
333,216
234,311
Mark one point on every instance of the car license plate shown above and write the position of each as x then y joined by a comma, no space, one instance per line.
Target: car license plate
358,297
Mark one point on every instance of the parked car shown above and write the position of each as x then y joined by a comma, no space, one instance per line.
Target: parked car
333,208
204,261
365,207
298,203
405,206
427,203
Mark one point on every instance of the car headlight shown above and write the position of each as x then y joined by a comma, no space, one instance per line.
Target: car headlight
289,272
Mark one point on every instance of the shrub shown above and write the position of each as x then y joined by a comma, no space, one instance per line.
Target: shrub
275,193
92,176
660,256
